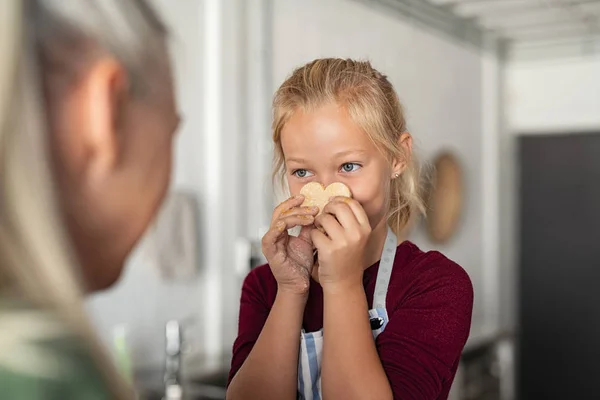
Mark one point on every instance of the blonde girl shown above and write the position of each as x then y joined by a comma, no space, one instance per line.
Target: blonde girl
370,316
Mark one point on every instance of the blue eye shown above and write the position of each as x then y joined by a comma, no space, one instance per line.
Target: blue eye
301,173
350,167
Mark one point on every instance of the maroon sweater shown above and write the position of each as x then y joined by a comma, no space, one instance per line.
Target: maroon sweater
429,303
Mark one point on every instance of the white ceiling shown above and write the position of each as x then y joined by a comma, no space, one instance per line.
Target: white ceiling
535,26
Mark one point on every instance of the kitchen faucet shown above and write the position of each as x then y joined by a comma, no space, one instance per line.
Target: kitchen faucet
172,378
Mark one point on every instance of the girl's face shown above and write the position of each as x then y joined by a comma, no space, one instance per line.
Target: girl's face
326,146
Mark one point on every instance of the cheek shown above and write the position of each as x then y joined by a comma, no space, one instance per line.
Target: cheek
153,167
164,170
373,195
370,195
295,187
163,165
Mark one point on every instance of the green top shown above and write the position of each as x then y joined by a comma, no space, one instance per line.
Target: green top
39,360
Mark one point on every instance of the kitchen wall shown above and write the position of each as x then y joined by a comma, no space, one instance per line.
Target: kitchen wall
230,56
558,96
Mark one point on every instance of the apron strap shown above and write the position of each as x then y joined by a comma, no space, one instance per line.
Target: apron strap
385,269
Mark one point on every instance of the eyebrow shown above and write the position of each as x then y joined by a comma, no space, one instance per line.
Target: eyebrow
350,152
336,155
296,160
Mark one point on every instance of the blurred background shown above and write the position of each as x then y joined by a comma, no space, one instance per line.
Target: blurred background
502,96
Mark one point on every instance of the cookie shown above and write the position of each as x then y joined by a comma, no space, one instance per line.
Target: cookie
317,195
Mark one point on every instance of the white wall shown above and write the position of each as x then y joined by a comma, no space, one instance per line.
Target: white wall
438,81
557,96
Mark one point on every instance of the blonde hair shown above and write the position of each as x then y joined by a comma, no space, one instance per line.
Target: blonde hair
372,103
36,261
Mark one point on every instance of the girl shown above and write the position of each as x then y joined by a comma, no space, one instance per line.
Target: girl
371,316
87,117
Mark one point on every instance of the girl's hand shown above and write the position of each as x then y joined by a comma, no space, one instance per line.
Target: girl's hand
342,247
291,258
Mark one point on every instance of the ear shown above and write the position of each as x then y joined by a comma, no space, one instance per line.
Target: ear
400,164
102,100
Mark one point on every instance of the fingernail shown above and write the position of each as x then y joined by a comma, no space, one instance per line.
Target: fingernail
280,225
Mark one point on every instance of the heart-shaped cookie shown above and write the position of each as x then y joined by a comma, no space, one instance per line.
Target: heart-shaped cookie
317,195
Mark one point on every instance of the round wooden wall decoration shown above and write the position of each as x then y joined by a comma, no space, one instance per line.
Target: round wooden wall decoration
445,198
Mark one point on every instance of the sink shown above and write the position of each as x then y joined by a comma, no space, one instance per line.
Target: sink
216,379
209,386
190,392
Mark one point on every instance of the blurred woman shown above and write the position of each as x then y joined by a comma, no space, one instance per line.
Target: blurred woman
87,119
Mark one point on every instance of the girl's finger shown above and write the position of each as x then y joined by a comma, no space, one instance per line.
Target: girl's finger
300,211
343,213
330,225
357,209
296,220
287,205
271,243
319,239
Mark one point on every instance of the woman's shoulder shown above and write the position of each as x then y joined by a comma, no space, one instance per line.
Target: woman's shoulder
40,359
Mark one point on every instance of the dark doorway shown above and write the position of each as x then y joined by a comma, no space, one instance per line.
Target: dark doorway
559,270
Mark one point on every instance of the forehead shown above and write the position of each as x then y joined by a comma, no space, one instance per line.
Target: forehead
327,129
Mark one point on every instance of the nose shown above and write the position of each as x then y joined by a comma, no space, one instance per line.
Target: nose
328,179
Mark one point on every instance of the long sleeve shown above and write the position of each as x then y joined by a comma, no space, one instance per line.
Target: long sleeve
258,294
421,346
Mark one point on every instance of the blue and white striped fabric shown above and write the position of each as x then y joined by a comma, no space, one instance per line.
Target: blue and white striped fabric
311,343
309,365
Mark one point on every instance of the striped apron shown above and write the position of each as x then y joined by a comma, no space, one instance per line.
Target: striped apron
311,343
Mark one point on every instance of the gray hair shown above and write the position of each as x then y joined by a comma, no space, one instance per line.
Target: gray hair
36,261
